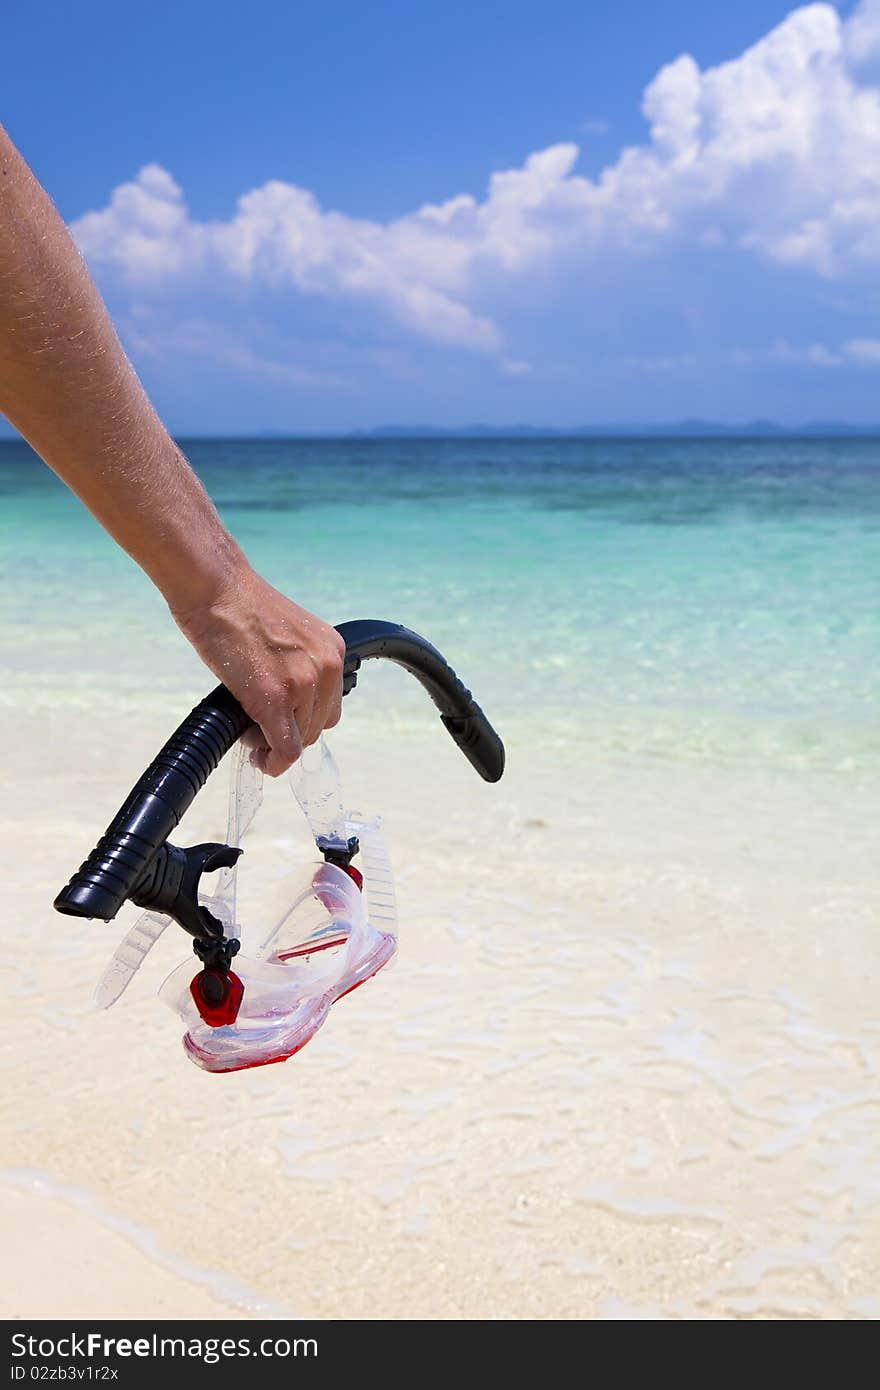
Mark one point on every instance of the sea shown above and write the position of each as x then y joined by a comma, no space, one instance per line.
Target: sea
710,600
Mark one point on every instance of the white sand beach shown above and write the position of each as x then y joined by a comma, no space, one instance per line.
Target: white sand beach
574,377
625,1065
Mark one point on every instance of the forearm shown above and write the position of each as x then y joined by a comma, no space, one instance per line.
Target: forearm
68,387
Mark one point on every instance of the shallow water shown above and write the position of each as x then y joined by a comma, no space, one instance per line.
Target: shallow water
681,599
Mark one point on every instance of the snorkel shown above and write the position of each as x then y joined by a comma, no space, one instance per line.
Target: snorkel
324,944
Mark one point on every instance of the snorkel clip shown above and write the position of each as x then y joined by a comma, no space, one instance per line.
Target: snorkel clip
341,852
171,885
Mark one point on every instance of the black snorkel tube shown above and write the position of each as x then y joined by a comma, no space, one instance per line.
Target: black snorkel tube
133,861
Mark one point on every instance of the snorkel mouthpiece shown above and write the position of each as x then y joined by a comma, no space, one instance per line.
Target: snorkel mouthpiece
336,930
171,884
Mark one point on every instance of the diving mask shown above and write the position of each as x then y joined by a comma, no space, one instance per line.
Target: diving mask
333,925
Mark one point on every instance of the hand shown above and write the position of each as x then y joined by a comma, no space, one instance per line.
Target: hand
282,664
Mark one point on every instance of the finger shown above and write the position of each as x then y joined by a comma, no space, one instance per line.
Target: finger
284,745
331,695
333,706
308,717
335,714
253,738
259,754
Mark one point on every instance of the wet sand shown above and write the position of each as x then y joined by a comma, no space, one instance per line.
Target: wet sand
625,1065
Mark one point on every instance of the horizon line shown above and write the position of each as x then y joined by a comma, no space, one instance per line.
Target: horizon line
476,432
685,429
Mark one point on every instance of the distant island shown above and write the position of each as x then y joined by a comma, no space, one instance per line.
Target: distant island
699,429
679,429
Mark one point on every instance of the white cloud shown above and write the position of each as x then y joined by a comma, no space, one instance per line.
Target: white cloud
814,355
862,33
144,230
865,350
777,151
820,356
677,362
213,342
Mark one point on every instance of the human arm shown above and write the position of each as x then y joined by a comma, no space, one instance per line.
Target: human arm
68,387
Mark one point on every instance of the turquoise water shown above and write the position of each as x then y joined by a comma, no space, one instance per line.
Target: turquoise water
664,599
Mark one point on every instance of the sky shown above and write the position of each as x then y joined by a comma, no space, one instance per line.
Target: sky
321,218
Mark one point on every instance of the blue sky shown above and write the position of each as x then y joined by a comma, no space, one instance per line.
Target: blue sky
319,218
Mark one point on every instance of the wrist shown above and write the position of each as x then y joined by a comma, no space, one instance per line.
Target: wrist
211,580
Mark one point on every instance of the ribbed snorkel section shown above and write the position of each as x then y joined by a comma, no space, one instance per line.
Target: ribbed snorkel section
153,808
